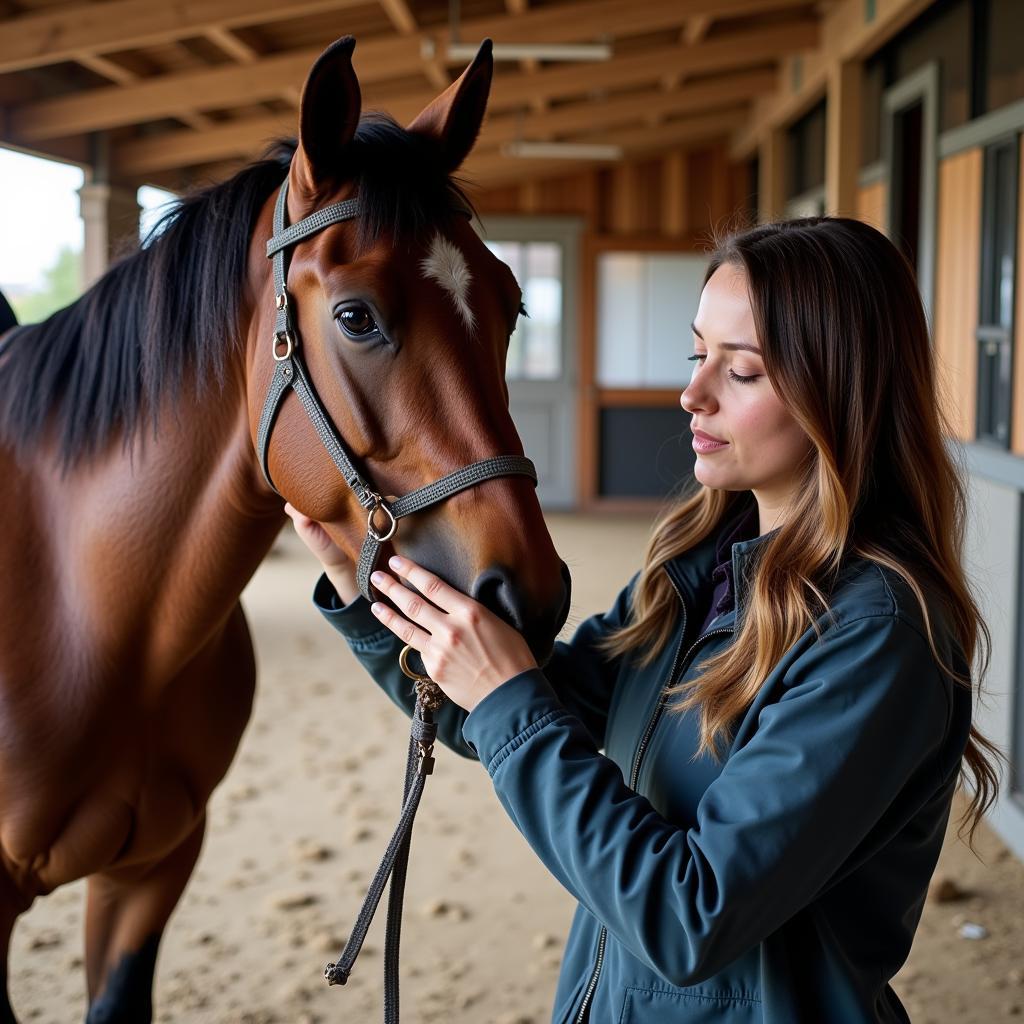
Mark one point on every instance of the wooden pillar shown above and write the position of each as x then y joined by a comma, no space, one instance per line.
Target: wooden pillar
771,186
110,212
675,185
111,215
843,137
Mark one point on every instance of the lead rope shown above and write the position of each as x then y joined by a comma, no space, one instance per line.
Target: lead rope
419,764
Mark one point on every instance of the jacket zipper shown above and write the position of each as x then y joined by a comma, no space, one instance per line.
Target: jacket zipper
634,776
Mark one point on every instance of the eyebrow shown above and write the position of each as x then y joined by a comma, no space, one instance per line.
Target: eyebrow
731,346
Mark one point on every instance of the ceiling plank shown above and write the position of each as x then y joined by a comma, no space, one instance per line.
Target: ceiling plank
697,28
177,149
400,16
147,100
55,35
235,47
490,168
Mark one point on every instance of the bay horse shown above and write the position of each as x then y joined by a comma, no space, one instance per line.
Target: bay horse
136,509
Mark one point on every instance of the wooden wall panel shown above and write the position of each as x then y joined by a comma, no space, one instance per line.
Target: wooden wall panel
1017,412
958,258
871,205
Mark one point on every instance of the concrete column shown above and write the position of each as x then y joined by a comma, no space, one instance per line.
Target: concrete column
111,215
843,137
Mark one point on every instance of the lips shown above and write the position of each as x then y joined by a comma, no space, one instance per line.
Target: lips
709,438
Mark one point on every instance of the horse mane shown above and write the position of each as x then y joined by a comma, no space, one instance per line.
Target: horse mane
170,310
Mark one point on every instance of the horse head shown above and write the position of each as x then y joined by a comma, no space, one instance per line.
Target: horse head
402,318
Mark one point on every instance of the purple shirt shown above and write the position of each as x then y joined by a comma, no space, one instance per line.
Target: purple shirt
743,528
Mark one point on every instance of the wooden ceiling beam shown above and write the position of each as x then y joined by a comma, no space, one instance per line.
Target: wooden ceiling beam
248,137
58,34
400,16
487,169
235,47
376,60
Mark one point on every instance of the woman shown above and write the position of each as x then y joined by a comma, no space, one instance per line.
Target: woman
743,771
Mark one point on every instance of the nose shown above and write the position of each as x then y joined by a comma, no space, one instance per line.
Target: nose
496,589
696,397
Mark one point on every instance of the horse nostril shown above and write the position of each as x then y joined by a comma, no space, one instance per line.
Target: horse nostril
494,589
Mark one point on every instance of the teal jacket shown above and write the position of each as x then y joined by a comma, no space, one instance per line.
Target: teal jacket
782,884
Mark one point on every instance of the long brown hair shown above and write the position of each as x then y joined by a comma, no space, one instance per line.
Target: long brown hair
845,345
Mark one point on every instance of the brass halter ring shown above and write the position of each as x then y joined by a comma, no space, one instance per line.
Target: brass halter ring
403,664
380,506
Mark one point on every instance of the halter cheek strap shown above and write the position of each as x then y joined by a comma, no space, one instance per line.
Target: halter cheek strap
290,374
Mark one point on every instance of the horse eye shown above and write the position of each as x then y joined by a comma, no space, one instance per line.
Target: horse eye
356,322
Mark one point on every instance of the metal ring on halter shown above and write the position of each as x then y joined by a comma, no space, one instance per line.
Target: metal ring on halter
403,664
289,341
371,529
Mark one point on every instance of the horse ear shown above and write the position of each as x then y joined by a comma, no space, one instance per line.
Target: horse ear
328,114
454,118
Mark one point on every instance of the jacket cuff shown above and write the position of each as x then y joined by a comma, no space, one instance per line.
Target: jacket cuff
509,715
354,621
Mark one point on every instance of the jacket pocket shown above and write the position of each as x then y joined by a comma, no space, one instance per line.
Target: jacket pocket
668,1006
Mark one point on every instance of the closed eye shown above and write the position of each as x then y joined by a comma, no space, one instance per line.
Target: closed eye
739,378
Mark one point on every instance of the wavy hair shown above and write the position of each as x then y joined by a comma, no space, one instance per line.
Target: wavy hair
846,347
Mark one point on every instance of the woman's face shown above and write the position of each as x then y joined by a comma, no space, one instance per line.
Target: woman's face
755,444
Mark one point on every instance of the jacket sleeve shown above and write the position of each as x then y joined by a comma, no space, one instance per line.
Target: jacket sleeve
581,676
864,711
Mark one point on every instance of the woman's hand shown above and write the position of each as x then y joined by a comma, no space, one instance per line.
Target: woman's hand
466,649
340,569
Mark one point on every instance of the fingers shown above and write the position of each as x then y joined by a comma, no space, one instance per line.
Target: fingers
430,586
402,628
412,605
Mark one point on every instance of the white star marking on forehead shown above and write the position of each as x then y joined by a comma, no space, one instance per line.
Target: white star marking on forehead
446,265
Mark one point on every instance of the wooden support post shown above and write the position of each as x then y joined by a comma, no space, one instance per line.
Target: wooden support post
771,189
843,137
111,216
675,188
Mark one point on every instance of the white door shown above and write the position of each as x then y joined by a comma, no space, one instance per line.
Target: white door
541,369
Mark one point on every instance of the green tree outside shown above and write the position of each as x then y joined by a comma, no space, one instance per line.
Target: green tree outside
62,284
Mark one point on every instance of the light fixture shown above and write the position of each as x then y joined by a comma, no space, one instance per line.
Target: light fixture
562,150
532,51
456,51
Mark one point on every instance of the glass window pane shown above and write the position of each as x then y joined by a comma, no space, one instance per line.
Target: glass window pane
535,349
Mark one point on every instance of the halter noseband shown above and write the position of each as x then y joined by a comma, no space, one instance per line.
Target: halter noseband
290,373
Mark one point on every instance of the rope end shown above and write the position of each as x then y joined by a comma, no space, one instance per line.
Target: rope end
335,974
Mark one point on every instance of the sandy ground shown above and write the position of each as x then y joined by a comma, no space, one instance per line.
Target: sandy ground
305,812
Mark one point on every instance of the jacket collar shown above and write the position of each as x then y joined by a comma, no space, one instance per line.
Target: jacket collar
691,571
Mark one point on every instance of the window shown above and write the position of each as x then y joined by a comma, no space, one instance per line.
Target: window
805,157
998,262
645,305
535,349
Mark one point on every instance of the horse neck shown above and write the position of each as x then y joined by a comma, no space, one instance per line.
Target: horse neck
179,520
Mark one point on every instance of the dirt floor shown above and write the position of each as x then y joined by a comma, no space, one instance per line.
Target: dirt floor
297,828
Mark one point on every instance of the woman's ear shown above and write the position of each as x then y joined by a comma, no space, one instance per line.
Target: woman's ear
328,117
455,117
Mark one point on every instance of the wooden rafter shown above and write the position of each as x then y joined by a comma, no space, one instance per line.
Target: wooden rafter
55,35
233,45
493,168
177,149
220,87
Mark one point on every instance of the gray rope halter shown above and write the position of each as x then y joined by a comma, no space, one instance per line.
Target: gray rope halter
290,373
